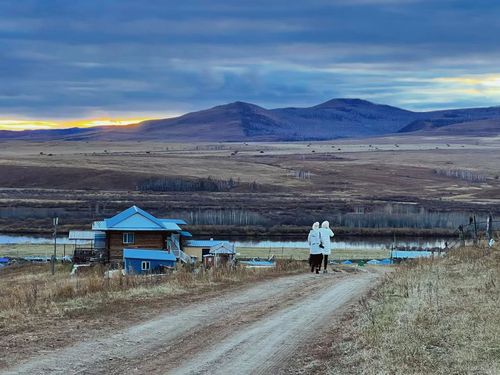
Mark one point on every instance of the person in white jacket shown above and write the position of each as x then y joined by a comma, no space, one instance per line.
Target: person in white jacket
315,251
325,234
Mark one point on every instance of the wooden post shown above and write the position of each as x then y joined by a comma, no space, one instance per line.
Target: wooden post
461,235
489,227
475,230
55,221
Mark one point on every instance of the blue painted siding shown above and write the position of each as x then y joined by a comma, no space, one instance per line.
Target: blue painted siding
135,265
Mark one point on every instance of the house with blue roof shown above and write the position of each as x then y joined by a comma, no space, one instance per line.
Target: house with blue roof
140,261
138,230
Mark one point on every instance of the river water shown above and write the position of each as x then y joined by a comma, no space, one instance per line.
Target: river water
340,244
352,244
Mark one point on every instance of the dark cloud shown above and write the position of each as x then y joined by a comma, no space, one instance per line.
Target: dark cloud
76,59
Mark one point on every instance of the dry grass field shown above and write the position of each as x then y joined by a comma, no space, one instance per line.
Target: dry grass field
32,300
41,250
22,250
431,316
295,182
303,254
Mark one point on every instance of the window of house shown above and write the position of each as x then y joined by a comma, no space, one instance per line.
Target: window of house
145,265
128,238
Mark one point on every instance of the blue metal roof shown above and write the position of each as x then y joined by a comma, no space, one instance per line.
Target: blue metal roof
175,221
136,219
203,243
85,235
129,212
185,233
404,254
148,254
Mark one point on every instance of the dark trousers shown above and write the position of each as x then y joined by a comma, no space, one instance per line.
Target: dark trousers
315,262
325,261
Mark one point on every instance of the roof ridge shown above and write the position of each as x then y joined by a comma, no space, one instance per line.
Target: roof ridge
125,214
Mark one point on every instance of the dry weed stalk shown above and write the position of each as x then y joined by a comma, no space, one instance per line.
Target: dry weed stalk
430,316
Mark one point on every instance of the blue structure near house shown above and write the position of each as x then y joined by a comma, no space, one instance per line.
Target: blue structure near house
139,261
405,254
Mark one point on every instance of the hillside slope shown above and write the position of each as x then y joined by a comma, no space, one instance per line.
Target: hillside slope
240,121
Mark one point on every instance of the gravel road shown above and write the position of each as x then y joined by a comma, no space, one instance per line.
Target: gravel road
246,331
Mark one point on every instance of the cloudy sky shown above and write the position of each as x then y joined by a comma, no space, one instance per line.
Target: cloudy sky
99,59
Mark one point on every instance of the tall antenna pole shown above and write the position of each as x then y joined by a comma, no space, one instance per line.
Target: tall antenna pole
55,221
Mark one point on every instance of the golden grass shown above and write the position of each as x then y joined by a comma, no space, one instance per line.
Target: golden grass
303,254
438,316
28,291
22,250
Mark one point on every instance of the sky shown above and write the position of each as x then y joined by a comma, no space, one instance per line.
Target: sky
81,63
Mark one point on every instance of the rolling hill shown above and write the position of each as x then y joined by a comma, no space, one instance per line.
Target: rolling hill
240,121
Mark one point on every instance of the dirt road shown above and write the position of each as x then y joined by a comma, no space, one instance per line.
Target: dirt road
248,331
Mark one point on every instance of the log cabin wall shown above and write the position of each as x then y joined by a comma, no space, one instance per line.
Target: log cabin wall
145,240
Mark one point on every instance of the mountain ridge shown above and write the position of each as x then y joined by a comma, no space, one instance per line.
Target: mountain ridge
242,121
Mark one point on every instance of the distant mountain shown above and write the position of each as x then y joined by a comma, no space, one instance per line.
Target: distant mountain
479,128
428,121
239,121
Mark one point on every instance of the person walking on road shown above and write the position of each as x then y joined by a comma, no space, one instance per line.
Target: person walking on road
315,251
326,247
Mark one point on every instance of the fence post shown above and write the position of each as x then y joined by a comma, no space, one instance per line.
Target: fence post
489,227
461,235
475,230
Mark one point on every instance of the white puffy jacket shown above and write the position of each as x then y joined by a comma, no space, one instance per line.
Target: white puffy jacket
325,235
314,241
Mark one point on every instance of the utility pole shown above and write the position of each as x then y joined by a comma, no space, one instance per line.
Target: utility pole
55,221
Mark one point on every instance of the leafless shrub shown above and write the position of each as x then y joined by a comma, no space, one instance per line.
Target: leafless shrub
462,174
301,174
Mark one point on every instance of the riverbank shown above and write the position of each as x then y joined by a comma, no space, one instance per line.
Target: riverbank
252,231
343,248
431,316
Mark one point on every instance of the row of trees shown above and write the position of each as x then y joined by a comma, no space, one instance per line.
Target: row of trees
463,174
223,217
301,174
420,220
425,220
209,184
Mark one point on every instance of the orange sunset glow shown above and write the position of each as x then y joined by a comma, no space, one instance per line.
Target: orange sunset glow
19,125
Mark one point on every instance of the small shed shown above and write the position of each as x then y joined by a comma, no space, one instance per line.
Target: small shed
147,261
200,248
223,253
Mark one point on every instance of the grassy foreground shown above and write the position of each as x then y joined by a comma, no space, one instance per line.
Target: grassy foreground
437,316
30,293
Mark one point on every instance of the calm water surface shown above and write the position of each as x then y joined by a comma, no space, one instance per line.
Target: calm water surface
339,244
